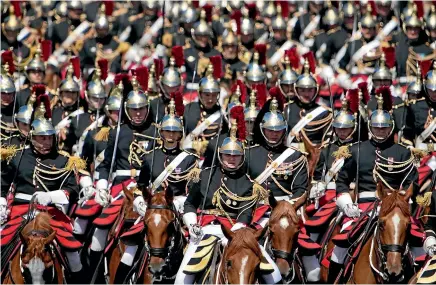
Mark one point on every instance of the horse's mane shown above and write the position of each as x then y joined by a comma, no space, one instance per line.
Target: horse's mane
393,201
243,238
40,223
283,209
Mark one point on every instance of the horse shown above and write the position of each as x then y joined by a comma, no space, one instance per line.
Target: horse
284,226
382,256
241,258
163,242
38,260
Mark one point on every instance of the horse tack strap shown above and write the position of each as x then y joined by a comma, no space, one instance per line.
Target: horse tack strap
168,170
303,122
187,143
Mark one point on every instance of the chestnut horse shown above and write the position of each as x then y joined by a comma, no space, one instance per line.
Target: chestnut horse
40,265
382,256
284,226
241,259
164,241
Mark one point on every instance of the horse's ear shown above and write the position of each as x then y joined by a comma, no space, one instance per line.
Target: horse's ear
128,193
146,193
169,195
409,193
272,200
300,201
50,238
260,233
24,238
227,232
380,192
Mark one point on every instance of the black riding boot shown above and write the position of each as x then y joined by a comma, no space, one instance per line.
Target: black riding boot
95,263
334,270
122,272
77,277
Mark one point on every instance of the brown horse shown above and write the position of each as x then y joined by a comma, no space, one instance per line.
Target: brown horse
241,257
381,258
37,257
284,226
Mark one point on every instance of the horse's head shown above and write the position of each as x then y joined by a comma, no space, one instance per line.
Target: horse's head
242,255
284,228
37,236
394,221
160,226
128,213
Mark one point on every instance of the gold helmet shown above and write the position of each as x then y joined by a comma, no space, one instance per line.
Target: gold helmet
415,87
36,64
12,23
209,84
153,88
344,118
96,87
41,124
430,22
251,112
102,21
430,79
150,4
75,4
247,26
368,20
413,20
69,84
255,72
274,121
408,10
278,22
287,76
382,72
230,39
332,16
113,103
269,11
7,84
172,121
349,10
382,116
171,76
136,98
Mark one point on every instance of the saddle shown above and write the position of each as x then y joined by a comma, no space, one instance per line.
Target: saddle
427,275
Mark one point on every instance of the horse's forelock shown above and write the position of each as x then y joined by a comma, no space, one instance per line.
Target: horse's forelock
41,223
243,238
392,201
283,209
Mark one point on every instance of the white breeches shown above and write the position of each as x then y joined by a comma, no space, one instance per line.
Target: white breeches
74,261
80,225
182,278
99,239
339,253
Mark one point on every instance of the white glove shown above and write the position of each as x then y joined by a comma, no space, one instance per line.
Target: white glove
345,203
430,246
102,196
42,198
237,226
4,211
317,190
190,220
139,206
87,189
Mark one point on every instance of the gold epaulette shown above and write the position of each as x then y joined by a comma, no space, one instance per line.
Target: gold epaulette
102,134
424,200
75,163
333,30
123,47
7,153
342,152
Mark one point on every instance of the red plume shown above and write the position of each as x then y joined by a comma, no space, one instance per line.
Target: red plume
104,67
385,92
42,98
7,57
237,17
177,53
294,58
285,8
363,86
373,7
353,100
237,113
419,8
75,61
208,8
274,92
46,47
109,5
425,67
17,8
178,101
195,3
141,74
121,77
159,67
242,88
217,62
390,56
252,10
261,49
312,62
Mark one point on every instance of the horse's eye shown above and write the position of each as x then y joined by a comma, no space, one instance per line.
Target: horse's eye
229,263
